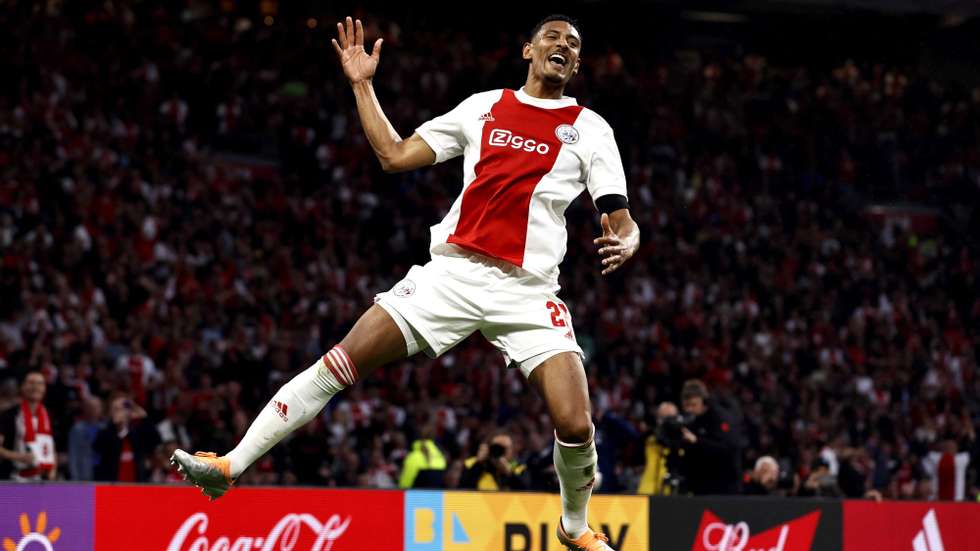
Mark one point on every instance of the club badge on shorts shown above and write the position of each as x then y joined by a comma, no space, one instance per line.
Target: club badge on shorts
404,288
566,133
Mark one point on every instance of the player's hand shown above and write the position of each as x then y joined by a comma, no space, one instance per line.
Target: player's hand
689,436
349,45
614,249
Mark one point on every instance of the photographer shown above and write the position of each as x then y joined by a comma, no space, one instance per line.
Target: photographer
710,462
657,477
494,467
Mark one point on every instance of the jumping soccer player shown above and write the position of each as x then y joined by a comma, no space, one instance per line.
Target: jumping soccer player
527,154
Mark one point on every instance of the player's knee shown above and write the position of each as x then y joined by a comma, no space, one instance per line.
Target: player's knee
575,428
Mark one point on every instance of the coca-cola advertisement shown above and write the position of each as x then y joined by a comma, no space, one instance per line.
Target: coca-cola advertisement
745,524
911,526
154,518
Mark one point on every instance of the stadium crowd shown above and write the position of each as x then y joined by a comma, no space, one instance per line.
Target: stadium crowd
165,281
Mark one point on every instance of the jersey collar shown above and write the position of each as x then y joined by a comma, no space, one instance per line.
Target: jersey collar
565,101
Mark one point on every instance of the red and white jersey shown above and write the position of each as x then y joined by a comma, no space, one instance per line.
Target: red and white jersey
525,159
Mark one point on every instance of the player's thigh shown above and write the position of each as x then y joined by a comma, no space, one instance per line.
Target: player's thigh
374,341
436,303
528,327
561,382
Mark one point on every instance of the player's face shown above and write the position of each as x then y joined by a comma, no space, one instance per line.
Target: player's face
554,52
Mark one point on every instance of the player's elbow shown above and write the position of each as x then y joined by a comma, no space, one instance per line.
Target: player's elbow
391,164
394,168
388,167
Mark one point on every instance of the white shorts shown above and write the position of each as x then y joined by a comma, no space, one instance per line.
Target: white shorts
449,298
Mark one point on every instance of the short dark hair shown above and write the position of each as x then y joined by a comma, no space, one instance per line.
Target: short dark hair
555,17
694,388
29,372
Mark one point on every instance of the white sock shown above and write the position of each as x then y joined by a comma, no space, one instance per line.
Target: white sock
575,465
296,403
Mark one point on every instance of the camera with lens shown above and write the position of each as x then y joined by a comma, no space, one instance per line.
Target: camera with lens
670,430
497,451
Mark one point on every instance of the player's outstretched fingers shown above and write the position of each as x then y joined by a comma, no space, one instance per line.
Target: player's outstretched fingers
376,52
337,48
358,33
350,32
611,249
341,35
613,267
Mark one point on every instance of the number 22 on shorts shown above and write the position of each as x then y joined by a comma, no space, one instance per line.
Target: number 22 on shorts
559,314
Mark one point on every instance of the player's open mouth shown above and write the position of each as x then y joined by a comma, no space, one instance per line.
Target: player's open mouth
557,60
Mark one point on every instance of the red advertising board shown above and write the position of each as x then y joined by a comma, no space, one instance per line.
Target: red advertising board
911,526
155,518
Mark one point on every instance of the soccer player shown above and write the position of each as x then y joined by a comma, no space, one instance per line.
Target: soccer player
527,154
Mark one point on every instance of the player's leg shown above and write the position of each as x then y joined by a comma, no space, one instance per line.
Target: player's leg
375,340
560,380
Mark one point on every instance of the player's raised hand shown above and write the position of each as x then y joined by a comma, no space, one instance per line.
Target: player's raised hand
349,45
614,248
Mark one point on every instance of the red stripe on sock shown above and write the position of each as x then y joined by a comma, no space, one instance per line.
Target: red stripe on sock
350,362
341,365
327,361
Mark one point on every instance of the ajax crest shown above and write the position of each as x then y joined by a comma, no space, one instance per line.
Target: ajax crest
566,133
404,288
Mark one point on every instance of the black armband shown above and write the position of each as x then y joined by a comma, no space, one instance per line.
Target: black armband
611,203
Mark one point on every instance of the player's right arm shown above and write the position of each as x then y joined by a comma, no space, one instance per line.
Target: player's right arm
395,154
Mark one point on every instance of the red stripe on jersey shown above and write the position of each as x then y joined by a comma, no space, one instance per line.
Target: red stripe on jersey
519,147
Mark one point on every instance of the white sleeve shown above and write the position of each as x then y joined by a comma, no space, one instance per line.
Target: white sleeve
444,134
151,373
606,176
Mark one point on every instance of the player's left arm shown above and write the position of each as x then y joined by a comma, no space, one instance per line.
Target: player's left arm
606,182
620,239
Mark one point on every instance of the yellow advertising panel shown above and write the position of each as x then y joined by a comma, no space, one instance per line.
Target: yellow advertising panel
474,521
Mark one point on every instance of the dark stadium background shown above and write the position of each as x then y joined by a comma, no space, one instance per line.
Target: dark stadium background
758,138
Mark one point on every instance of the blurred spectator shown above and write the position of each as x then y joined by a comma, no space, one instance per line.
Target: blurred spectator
81,440
160,470
139,371
26,439
494,467
173,427
126,444
656,478
763,478
946,469
424,466
820,482
710,463
615,437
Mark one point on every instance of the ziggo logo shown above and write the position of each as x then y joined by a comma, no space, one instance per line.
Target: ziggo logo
504,138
